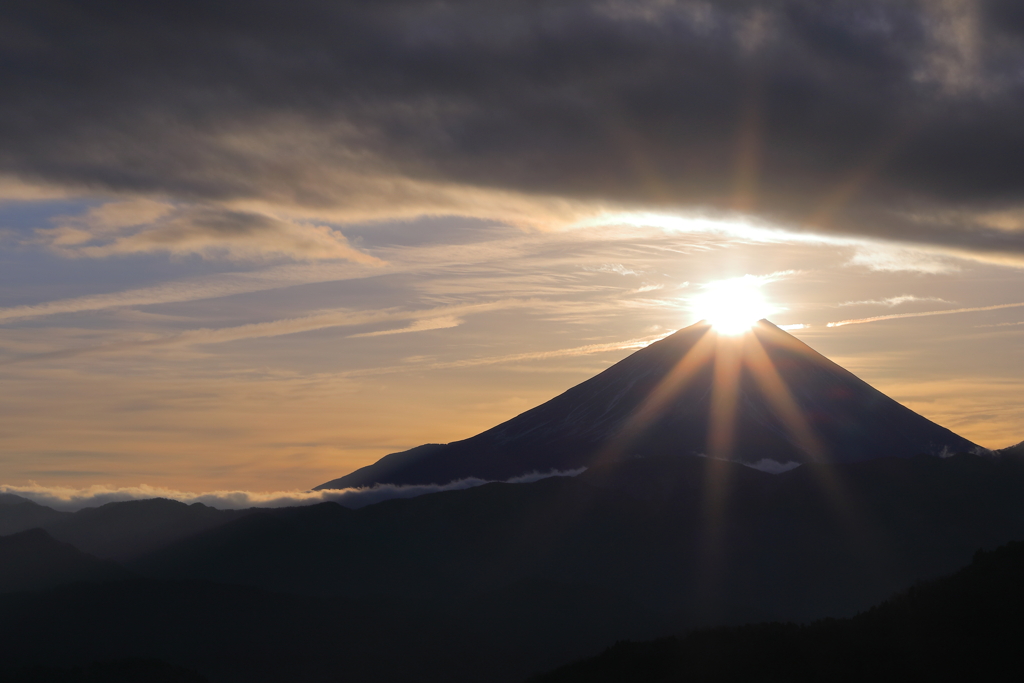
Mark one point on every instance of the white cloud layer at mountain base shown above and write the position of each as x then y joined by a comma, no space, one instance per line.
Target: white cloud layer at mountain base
70,499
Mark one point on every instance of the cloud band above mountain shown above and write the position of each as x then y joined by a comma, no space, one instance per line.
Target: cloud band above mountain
887,118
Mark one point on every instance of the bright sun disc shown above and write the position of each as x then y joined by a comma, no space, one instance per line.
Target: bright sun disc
732,306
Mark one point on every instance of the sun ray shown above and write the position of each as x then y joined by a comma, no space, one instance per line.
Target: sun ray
749,143
858,177
729,355
654,406
781,399
721,441
730,359
779,396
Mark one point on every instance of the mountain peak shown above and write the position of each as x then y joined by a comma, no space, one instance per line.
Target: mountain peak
761,395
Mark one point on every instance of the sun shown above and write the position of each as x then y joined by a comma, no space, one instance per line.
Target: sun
732,306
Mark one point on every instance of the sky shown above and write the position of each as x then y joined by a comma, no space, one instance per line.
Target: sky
252,246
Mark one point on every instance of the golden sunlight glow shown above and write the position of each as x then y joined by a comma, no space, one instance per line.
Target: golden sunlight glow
729,360
732,306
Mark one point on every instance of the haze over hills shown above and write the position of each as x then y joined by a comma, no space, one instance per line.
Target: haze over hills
500,581
816,541
18,514
763,396
31,560
120,531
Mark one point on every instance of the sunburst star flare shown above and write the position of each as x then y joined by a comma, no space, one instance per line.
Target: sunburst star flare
783,403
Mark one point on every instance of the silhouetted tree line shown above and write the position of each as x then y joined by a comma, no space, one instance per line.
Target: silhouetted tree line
122,671
967,626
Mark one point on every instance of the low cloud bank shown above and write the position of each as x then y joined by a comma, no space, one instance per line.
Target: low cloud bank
773,466
64,498
764,464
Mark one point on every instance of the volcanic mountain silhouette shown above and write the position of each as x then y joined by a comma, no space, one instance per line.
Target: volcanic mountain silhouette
762,398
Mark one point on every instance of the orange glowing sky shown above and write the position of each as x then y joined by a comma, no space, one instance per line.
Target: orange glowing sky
283,376
420,223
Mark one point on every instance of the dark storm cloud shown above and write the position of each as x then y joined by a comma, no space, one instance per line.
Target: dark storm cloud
895,119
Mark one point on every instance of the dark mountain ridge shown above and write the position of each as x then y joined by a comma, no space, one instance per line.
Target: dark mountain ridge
31,560
1016,450
500,581
962,627
238,634
119,531
20,514
676,397
708,541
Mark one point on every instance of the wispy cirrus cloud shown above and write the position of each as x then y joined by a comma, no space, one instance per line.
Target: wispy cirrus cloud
209,287
895,300
611,268
422,363
496,258
422,325
644,289
923,314
1013,324
422,320
893,259
146,226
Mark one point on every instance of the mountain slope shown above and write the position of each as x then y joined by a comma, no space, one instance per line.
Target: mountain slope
233,634
118,531
962,627
130,528
1015,450
715,542
501,581
32,560
673,398
20,514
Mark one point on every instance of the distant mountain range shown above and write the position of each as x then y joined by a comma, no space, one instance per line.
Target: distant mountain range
501,581
763,397
116,531
30,560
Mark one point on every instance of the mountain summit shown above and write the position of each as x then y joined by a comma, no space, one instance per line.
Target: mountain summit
762,398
